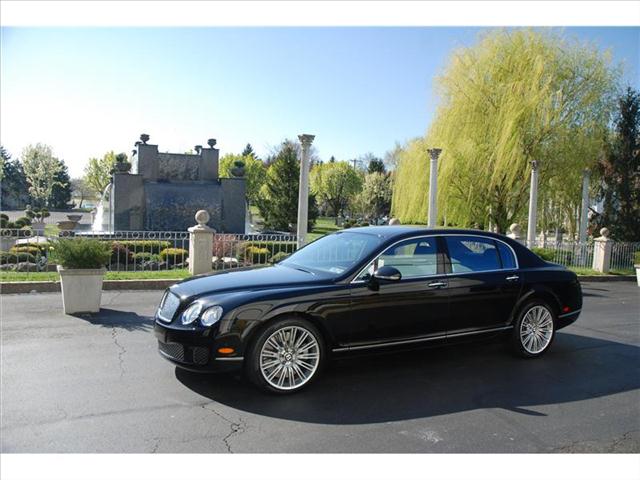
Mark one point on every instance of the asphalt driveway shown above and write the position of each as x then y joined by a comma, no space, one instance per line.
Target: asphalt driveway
97,384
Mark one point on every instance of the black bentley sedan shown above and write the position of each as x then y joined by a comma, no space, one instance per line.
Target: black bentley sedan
370,288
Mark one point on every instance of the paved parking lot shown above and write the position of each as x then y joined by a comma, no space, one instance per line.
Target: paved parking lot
96,384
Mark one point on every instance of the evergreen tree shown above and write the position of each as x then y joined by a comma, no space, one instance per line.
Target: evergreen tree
620,171
61,192
249,151
278,199
376,165
13,183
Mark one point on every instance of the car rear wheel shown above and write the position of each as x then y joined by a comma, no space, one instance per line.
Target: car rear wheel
534,329
286,356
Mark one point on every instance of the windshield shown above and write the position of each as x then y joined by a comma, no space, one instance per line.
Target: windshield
334,253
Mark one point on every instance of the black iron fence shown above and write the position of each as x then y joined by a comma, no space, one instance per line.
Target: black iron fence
28,250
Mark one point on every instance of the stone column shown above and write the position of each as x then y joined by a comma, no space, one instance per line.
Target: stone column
201,245
584,213
602,251
303,189
434,153
533,206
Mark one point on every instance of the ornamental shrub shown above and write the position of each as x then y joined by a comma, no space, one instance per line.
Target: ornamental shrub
174,255
120,254
80,253
279,257
256,254
151,246
22,222
35,251
145,257
637,258
547,254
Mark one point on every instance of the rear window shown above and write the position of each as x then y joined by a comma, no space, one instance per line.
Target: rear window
506,255
472,254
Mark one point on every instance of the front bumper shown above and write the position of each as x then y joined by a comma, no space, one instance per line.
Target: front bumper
192,351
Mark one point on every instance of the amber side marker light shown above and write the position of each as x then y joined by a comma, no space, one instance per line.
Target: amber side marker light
565,309
226,350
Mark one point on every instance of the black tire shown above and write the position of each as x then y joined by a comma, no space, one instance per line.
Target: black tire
252,364
518,338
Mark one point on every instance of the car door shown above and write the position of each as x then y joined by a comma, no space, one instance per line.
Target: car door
415,306
483,287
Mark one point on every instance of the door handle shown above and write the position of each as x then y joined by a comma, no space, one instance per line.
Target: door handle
513,278
437,284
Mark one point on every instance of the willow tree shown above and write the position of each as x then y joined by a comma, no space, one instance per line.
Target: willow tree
515,97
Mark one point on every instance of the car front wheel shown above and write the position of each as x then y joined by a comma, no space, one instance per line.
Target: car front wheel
286,356
534,329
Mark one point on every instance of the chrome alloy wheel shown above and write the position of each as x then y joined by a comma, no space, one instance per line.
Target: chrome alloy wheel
536,329
289,358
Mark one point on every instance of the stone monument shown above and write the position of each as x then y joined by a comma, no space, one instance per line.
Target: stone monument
164,189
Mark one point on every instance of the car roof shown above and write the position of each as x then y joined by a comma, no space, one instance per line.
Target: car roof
399,231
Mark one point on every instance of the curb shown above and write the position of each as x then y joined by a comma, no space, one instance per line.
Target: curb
607,278
44,287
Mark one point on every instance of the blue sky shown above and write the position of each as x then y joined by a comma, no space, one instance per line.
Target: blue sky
88,90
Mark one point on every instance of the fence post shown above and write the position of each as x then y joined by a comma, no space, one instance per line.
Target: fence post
201,245
602,251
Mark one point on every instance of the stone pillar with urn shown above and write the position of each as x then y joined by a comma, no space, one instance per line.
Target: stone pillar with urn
303,189
201,245
602,247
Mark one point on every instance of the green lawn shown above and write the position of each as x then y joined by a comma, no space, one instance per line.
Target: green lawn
53,276
323,226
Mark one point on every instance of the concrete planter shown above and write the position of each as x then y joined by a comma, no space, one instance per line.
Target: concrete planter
81,289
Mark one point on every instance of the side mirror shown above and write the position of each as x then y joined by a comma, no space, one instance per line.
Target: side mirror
387,274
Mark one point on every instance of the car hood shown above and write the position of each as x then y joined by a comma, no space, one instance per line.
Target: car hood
260,278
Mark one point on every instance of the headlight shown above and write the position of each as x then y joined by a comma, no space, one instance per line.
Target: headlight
191,313
211,315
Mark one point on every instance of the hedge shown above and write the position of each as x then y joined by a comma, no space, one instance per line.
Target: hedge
8,257
151,246
174,255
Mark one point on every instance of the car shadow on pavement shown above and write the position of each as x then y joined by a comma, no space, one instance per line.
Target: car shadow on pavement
439,381
109,318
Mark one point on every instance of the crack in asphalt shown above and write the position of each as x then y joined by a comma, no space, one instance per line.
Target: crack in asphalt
235,427
121,350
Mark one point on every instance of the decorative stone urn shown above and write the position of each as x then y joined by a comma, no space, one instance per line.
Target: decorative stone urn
81,289
123,167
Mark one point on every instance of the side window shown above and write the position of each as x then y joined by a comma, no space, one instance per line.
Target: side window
472,254
417,257
506,255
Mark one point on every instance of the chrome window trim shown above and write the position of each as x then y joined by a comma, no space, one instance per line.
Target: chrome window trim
515,257
419,340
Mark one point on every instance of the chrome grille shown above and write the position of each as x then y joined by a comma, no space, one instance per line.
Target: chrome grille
168,307
172,350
